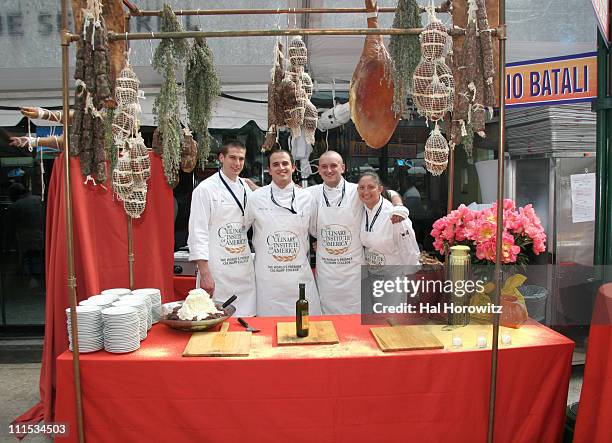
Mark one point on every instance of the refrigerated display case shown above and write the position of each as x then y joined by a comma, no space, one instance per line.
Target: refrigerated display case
566,269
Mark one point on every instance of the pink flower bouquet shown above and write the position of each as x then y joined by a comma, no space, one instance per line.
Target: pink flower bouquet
522,236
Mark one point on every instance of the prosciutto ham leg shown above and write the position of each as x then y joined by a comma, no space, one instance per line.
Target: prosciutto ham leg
371,90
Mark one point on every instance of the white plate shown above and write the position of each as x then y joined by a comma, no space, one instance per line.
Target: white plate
116,291
119,311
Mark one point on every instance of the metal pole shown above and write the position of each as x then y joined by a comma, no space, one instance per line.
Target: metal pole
451,191
130,251
130,236
602,155
284,11
605,181
501,33
451,181
112,36
72,298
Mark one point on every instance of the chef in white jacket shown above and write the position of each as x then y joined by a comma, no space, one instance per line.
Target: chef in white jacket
339,249
385,244
282,216
217,234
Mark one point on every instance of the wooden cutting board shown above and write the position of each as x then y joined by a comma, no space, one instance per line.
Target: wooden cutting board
405,338
321,333
218,344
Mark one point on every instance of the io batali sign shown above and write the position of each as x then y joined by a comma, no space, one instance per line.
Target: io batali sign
557,80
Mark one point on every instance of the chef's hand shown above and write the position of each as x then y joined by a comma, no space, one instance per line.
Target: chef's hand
207,283
399,214
251,184
396,219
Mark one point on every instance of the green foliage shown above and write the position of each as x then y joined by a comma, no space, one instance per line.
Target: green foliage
178,47
169,52
203,139
405,51
166,110
202,88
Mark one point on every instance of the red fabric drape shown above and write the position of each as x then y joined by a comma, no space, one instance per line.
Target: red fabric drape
100,257
182,285
595,411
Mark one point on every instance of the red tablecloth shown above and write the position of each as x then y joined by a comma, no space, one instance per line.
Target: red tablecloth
594,421
154,394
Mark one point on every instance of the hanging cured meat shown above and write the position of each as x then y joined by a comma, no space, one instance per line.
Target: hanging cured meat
371,91
114,16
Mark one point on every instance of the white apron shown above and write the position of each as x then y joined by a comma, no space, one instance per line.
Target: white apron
231,264
281,263
339,257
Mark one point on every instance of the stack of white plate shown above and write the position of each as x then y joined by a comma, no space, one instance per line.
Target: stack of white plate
89,326
156,301
121,329
116,291
102,300
147,299
142,313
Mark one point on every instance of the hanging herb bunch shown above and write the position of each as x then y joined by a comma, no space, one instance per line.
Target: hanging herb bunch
405,51
202,88
169,53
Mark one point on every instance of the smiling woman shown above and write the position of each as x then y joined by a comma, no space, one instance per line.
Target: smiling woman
385,243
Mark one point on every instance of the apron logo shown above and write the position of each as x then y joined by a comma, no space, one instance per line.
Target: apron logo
233,238
374,258
283,246
336,239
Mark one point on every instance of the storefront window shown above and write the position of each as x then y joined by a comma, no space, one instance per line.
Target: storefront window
22,223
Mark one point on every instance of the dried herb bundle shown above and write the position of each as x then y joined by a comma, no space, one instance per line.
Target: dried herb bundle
178,47
166,109
202,88
405,51
168,54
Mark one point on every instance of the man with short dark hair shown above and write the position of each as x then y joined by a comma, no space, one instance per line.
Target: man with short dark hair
217,234
282,216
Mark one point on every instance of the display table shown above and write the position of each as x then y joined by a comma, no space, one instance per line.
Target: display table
593,423
349,392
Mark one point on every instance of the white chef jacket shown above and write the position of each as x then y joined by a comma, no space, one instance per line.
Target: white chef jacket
217,233
386,243
205,200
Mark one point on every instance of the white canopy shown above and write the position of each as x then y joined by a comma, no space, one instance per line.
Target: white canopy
30,69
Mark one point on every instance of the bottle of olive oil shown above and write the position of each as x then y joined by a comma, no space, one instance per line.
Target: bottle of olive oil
301,313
